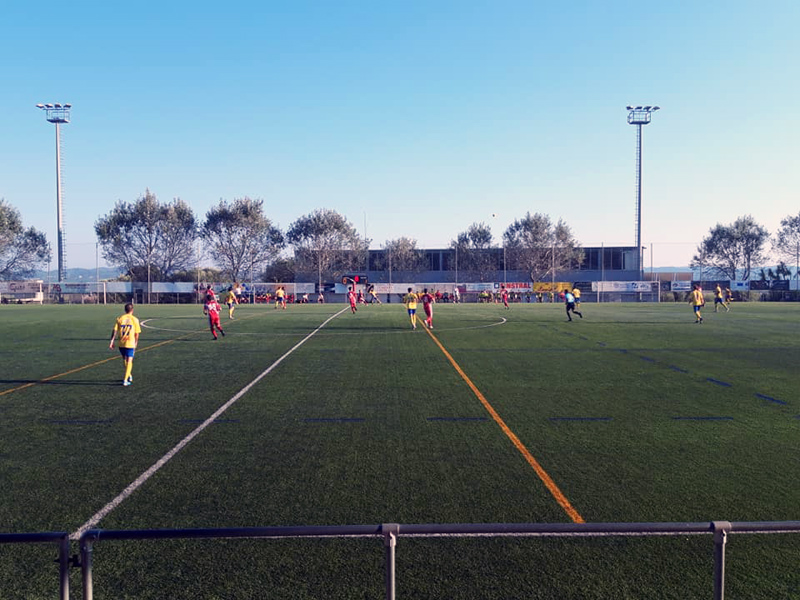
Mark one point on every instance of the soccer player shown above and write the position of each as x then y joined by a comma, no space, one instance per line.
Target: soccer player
212,309
569,301
504,295
410,300
231,301
351,297
427,305
280,298
697,301
373,296
728,299
576,293
128,328
718,299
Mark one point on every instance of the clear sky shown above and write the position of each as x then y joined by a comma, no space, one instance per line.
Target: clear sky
413,118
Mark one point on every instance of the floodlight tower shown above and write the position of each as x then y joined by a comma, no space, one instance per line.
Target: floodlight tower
639,115
58,114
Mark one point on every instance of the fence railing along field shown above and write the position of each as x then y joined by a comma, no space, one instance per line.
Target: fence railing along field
390,533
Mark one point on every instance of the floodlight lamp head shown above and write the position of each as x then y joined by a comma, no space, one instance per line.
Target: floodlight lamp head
40,106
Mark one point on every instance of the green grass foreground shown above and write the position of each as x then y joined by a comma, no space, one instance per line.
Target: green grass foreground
635,412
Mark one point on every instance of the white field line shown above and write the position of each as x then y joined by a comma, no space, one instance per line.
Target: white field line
103,512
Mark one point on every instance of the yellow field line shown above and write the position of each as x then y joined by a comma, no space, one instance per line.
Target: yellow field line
100,362
546,479
84,367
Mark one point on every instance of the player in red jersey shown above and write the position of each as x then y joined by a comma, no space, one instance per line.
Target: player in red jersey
351,297
504,295
427,305
212,309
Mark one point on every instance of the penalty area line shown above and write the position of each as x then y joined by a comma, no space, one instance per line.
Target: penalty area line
137,483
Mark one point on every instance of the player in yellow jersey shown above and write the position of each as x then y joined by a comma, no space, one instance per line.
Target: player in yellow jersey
697,301
717,297
576,293
728,299
231,300
128,329
410,300
280,298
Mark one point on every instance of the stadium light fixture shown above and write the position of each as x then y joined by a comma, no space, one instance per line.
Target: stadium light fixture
639,116
58,114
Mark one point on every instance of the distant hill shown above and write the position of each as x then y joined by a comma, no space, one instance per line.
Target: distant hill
74,275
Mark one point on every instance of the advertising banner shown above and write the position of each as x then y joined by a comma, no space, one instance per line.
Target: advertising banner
515,286
624,286
680,286
20,287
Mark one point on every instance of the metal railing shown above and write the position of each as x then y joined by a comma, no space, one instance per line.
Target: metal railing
390,532
61,538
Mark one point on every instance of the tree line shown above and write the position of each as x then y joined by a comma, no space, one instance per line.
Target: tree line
164,241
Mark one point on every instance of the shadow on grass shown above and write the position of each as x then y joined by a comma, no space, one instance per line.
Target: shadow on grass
105,382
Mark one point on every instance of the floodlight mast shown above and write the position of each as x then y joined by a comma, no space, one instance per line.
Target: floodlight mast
58,113
639,115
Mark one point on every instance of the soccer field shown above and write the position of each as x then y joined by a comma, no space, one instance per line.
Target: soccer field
633,412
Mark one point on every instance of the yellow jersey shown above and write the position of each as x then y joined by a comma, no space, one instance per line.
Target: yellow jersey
127,327
230,298
410,300
697,298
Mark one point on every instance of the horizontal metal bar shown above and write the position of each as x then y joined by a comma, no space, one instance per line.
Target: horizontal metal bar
33,538
452,529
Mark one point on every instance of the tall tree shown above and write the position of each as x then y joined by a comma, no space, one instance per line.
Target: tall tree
732,251
536,245
22,250
786,243
240,238
475,251
326,243
147,234
401,254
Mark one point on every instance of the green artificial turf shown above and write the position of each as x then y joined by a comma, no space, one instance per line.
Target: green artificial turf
636,413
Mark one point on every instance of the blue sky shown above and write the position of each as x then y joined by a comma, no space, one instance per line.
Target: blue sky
411,119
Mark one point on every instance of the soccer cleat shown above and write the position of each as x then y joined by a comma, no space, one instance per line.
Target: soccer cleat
126,383
215,338
130,378
222,332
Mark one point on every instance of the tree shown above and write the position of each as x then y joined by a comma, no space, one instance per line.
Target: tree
22,250
148,236
281,270
327,244
534,244
401,254
475,251
731,251
240,238
786,243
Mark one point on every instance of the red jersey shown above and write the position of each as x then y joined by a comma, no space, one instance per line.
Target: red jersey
351,296
212,309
